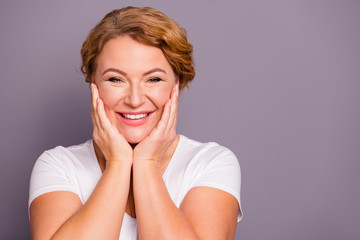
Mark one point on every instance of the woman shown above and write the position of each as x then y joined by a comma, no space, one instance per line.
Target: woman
137,178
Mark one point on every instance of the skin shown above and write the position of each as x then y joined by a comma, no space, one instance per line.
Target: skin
133,159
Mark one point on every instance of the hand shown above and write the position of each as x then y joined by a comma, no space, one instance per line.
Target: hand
112,144
153,147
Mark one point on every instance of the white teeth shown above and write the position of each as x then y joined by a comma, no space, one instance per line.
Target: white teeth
138,116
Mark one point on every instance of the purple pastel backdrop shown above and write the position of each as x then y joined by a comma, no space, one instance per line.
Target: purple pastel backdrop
277,82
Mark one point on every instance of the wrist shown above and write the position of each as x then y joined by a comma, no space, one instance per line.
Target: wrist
146,164
115,165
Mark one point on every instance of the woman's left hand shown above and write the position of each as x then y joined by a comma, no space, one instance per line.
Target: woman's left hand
153,147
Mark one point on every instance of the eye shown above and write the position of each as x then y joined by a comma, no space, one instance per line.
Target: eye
114,79
156,79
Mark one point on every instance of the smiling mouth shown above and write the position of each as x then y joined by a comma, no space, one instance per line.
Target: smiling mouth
134,116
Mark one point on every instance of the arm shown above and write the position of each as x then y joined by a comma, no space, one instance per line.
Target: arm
158,217
212,212
206,213
60,215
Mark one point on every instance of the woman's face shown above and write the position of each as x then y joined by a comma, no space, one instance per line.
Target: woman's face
135,83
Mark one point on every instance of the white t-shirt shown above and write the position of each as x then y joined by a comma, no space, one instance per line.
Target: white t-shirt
193,164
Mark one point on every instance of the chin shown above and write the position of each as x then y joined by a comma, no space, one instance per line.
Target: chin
134,138
135,135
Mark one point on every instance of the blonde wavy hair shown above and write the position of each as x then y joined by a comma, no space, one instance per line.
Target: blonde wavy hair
147,26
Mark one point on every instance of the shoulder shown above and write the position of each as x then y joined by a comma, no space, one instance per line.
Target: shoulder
58,169
206,153
210,165
63,161
206,159
61,155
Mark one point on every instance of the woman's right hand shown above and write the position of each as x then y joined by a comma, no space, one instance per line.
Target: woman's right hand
112,144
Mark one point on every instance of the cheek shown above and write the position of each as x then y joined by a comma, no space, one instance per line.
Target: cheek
108,96
161,97
110,100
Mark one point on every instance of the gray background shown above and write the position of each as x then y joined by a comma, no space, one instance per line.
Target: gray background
277,82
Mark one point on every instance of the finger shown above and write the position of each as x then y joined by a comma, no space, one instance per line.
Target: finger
175,119
94,105
93,95
94,117
161,127
103,118
171,126
98,127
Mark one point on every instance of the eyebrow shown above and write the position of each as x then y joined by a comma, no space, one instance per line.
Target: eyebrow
154,70
114,70
124,73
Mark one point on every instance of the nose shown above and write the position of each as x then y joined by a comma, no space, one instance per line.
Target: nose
135,96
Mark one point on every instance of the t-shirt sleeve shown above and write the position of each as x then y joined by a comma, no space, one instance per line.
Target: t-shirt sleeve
220,169
49,174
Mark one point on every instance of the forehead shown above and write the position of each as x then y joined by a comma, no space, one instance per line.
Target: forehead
131,56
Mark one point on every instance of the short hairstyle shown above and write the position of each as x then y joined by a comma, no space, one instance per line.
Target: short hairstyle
147,26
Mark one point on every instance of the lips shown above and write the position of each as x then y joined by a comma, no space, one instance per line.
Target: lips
134,118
